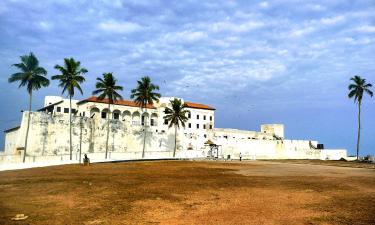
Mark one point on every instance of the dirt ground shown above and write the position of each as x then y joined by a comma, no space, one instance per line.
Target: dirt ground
190,192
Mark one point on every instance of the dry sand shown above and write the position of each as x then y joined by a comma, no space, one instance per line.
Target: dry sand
189,192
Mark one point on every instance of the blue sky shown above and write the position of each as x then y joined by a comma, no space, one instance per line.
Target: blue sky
256,62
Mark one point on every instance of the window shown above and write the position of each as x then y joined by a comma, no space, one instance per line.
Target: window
152,122
116,116
197,117
204,117
189,115
104,115
205,135
143,120
211,127
197,126
204,126
210,118
189,125
166,122
58,109
74,111
66,110
83,114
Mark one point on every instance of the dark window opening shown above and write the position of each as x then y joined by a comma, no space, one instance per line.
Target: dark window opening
58,109
204,117
189,115
204,126
66,110
116,116
83,114
166,122
210,118
152,122
189,125
197,117
104,115
205,135
197,126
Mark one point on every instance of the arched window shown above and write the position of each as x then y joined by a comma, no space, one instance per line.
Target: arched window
145,117
126,116
105,113
94,113
154,119
116,114
136,119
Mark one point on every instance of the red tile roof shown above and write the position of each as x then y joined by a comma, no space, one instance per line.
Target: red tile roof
119,102
198,106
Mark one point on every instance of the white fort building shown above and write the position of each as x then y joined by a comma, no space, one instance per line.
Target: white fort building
49,134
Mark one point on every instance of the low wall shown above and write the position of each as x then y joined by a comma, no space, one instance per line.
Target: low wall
49,142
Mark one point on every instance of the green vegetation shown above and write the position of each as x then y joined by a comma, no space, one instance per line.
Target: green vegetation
356,91
145,94
175,116
107,88
33,77
70,79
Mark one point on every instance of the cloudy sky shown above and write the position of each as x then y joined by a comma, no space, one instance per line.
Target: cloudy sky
256,62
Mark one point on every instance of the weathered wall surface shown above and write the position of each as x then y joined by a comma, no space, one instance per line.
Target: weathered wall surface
49,137
10,141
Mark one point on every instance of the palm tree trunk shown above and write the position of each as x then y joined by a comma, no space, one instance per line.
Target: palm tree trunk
144,134
70,127
175,141
359,128
28,127
80,139
108,121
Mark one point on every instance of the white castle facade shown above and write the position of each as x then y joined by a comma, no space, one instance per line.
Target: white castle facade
49,134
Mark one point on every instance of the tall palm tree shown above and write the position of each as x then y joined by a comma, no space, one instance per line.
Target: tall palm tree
356,90
70,79
175,116
33,77
143,95
107,88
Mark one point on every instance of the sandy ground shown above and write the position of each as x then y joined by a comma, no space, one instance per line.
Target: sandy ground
190,192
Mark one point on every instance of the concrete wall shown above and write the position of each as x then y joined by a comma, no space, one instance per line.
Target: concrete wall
277,129
49,140
10,141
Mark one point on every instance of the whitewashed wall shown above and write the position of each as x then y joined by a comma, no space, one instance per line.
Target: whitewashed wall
49,138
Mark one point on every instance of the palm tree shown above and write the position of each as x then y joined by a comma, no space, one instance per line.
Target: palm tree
107,88
356,90
143,95
175,116
33,77
70,79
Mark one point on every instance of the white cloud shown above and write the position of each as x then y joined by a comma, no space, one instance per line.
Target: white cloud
120,27
302,31
264,5
185,36
315,7
332,20
236,27
366,29
44,25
